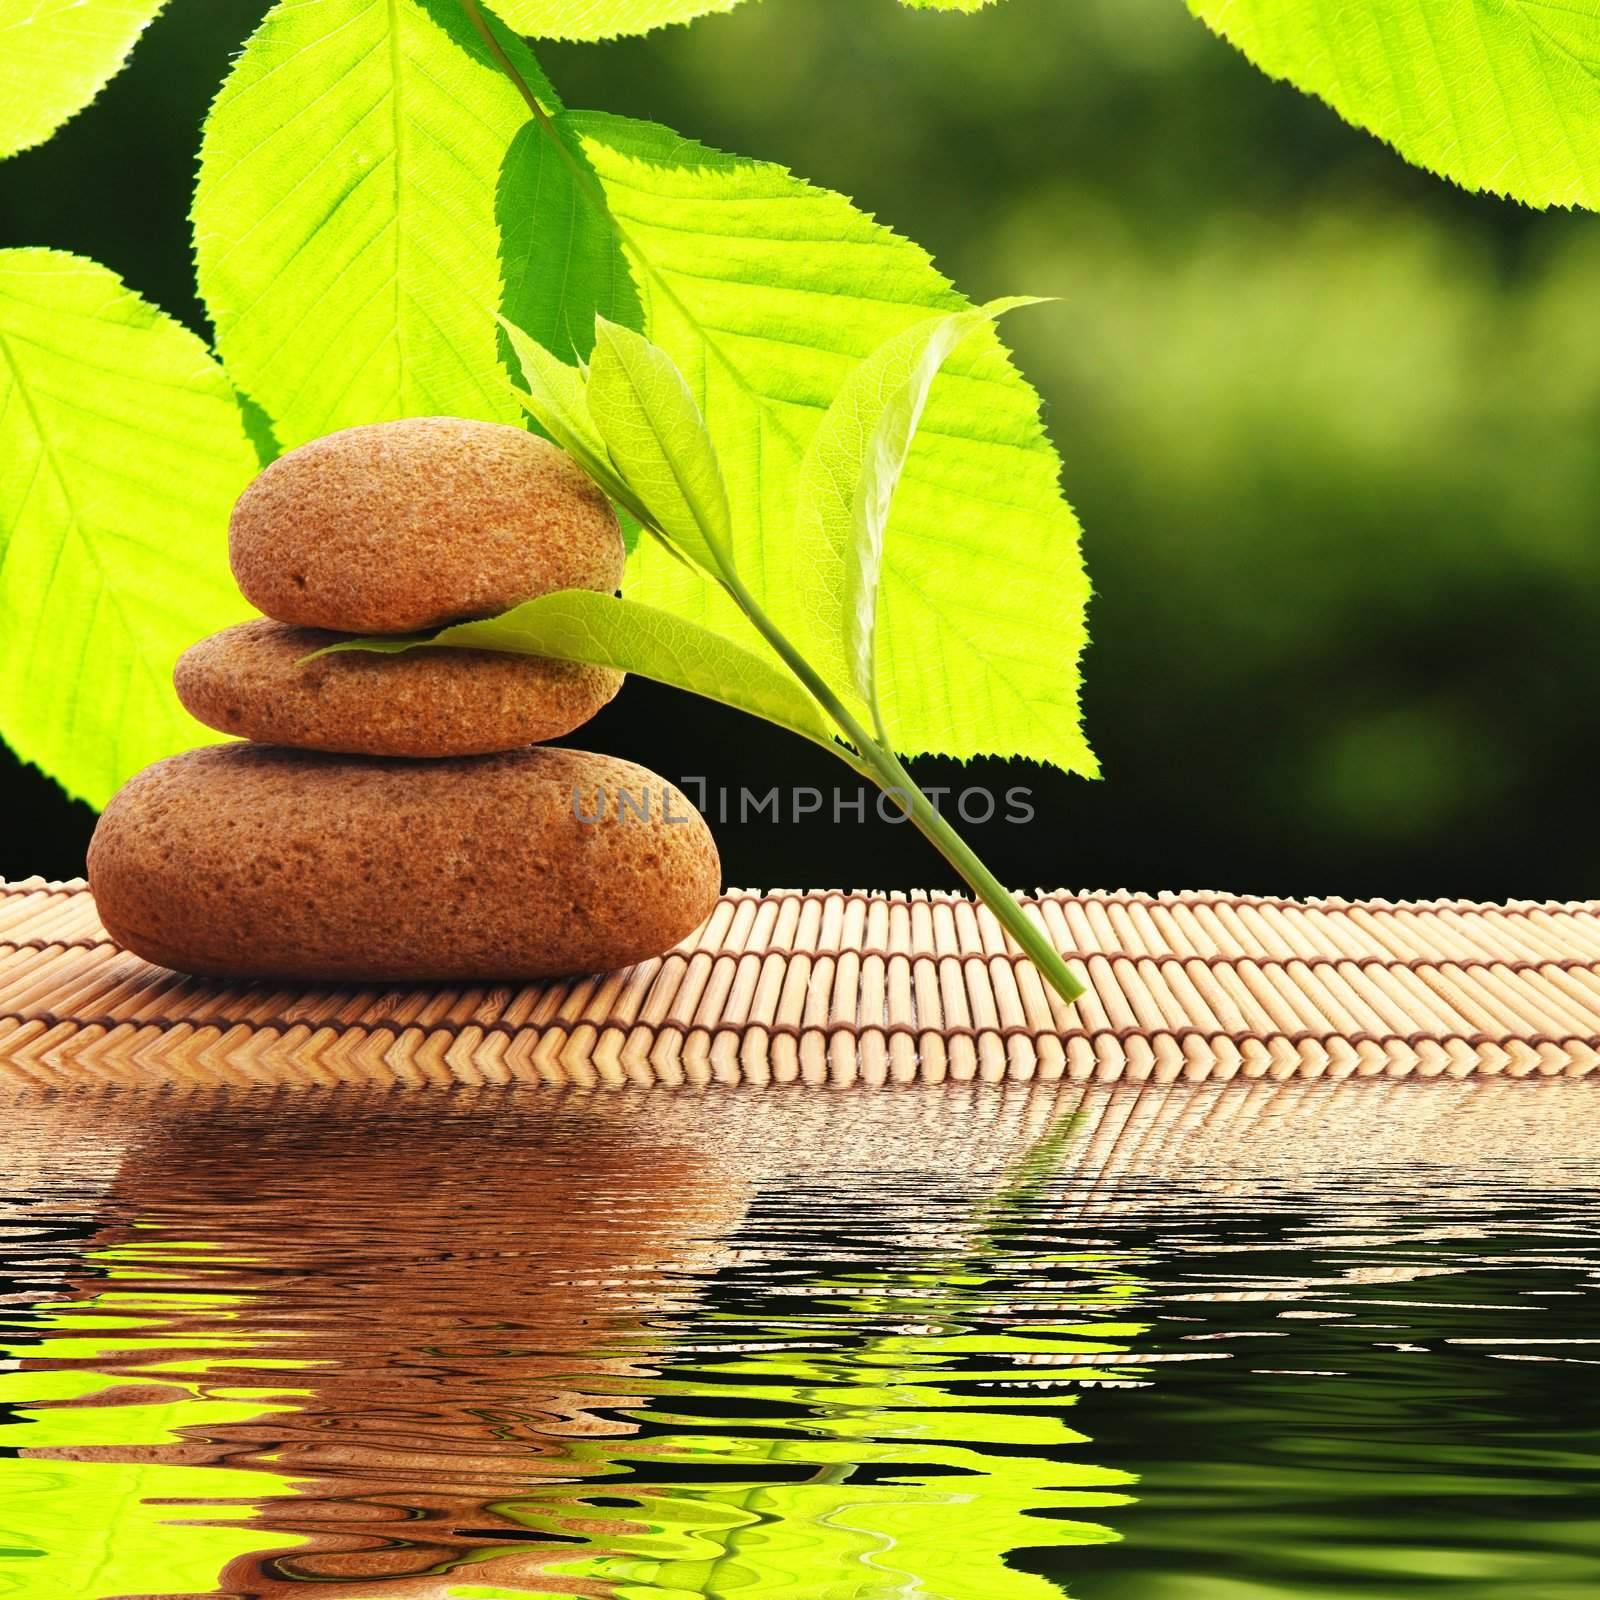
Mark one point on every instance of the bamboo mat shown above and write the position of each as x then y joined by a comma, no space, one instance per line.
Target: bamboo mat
829,987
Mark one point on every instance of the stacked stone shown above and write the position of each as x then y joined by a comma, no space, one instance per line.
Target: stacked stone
395,818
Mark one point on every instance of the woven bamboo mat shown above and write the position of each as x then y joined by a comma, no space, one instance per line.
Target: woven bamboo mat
844,988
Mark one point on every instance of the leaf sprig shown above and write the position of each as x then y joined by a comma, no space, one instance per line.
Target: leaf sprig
630,421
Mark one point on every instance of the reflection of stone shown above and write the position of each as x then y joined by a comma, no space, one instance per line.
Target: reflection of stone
467,1294
432,1285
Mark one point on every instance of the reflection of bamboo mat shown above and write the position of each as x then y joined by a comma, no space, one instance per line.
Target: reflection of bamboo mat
853,987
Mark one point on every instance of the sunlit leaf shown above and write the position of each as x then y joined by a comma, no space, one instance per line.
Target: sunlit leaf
121,452
849,477
1502,95
579,625
56,56
345,228
559,257
766,292
557,399
607,19
602,19
655,434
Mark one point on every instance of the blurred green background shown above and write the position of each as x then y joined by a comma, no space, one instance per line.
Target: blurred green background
1332,427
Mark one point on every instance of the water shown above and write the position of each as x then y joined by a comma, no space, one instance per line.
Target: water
960,1343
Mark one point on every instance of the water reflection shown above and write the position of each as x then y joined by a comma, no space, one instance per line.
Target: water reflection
802,1345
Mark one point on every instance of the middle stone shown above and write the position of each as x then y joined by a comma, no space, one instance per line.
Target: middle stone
248,681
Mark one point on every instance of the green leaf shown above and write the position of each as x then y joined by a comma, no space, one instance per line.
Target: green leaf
1502,95
766,293
655,434
602,19
557,401
345,229
560,260
607,19
56,56
849,477
580,625
122,449
588,20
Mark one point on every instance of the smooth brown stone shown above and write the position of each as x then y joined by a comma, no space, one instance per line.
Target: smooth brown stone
400,526
241,860
253,680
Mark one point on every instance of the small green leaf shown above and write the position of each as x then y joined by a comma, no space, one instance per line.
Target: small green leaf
947,5
56,56
122,450
556,400
1502,95
655,435
851,470
602,19
580,625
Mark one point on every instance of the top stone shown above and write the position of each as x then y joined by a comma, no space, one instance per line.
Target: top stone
400,526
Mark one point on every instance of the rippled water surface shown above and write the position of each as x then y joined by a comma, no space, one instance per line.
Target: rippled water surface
959,1343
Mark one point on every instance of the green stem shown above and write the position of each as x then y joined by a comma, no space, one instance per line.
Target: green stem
1035,943
585,179
879,762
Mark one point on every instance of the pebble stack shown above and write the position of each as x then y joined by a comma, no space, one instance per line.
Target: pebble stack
395,818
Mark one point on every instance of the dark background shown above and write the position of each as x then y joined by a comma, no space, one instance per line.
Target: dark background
1332,426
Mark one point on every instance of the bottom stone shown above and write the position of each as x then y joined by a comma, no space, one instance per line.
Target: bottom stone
249,861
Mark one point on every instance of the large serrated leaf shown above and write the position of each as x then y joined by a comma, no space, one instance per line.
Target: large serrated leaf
56,56
579,625
602,19
1502,95
559,259
345,230
609,19
121,452
767,292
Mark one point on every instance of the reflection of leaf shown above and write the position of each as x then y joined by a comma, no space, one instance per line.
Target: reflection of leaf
182,1521
121,451
1502,95
56,56
345,231
766,292
580,625
856,1457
